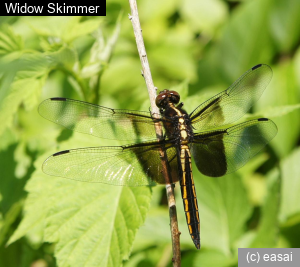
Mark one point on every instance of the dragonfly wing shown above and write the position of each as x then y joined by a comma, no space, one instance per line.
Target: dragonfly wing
231,104
99,121
220,152
132,165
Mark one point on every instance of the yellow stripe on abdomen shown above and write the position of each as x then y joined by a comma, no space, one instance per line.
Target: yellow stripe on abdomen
189,197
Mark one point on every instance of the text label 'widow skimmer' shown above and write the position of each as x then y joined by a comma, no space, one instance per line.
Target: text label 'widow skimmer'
216,151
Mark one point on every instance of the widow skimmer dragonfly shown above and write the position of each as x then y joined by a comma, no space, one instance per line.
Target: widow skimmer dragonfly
216,152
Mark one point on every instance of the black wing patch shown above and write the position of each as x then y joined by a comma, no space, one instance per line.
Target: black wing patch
220,152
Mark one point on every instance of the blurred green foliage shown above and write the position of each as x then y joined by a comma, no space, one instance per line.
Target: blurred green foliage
196,47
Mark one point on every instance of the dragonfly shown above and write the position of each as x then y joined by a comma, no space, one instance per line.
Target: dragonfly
205,135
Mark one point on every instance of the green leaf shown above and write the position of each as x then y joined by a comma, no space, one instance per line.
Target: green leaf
65,57
297,65
156,9
22,159
26,255
180,66
5,83
211,257
49,26
76,28
284,23
156,230
290,199
290,233
116,69
65,28
193,101
37,202
26,87
101,52
273,112
11,188
268,230
223,209
254,182
92,224
159,255
9,219
283,95
8,138
9,41
204,16
50,46
182,89
99,227
21,90
238,48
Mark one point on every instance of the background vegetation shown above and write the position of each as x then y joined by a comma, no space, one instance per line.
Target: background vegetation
196,47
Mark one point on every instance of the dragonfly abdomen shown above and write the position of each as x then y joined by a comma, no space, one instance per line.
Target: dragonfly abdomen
189,196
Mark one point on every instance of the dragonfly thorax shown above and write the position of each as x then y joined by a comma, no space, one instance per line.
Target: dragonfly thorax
177,124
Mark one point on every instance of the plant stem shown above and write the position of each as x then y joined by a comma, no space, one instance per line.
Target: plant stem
134,17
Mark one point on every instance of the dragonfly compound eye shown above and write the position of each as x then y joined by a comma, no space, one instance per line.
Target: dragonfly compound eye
166,96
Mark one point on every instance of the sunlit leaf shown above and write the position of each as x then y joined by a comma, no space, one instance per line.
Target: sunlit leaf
30,76
92,224
48,26
75,28
9,41
96,229
20,90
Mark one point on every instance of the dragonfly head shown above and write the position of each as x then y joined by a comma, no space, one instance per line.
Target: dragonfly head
166,96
